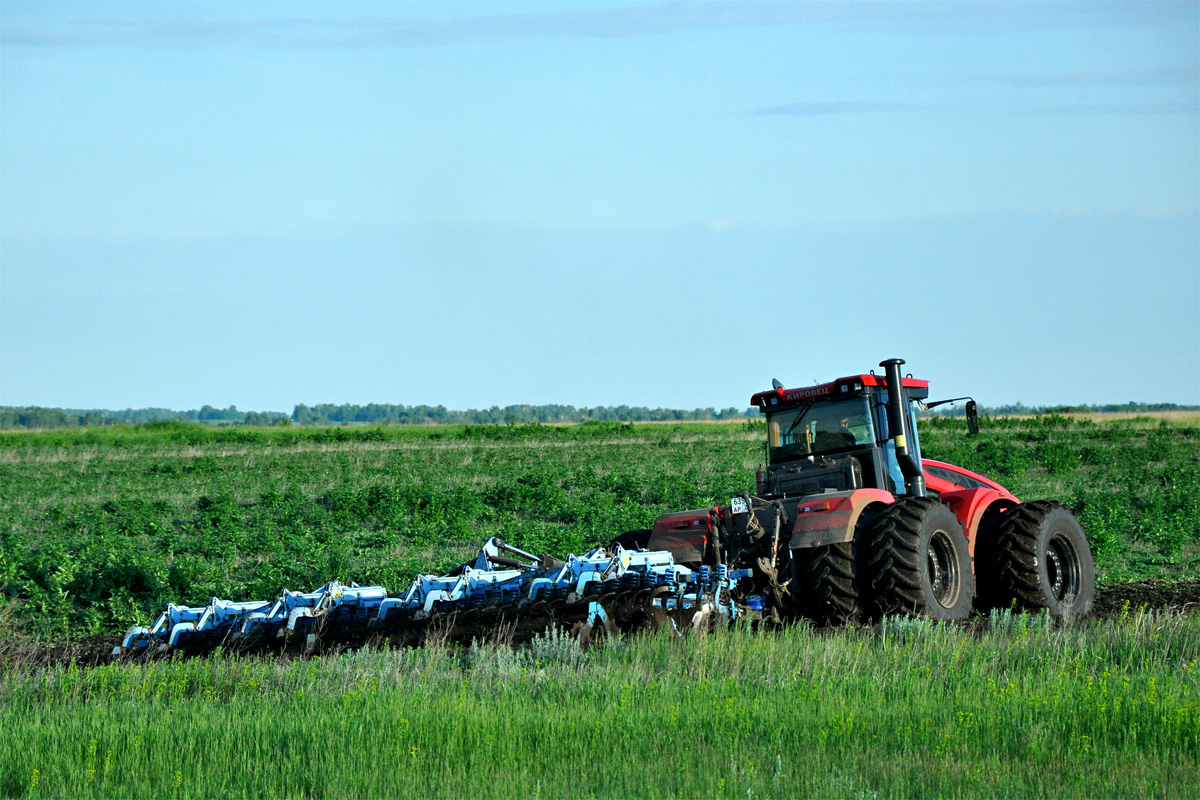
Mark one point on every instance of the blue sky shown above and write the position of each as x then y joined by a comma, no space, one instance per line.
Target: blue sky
652,204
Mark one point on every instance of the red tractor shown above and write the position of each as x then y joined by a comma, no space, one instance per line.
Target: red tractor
850,522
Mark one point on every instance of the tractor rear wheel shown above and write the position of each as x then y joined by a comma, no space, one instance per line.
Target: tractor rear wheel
986,591
1042,560
826,584
919,562
827,581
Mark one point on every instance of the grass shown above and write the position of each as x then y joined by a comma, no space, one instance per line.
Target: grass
906,708
99,529
1178,415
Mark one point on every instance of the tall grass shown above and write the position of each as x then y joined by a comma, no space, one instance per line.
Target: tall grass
906,708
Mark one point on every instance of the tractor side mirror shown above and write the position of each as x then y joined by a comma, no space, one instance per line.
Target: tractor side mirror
971,411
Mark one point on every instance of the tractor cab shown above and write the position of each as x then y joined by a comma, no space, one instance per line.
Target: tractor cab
841,436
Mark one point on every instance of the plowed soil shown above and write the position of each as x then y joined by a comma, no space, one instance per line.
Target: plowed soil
1181,595
1112,600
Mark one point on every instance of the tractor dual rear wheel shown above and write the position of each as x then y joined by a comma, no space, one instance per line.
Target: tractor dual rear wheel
919,562
1042,560
827,582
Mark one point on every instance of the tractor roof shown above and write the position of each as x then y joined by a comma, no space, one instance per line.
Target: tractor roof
842,388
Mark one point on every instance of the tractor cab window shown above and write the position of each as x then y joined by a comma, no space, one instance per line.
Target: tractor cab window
891,465
819,428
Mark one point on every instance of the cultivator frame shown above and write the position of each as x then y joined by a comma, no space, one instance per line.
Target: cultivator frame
609,588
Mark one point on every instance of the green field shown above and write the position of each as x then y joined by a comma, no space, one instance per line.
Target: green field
99,529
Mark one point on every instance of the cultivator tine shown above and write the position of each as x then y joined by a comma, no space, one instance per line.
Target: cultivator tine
597,622
136,638
615,584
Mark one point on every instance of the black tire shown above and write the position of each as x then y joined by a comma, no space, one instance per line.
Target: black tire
827,580
919,562
1042,560
827,584
631,540
986,556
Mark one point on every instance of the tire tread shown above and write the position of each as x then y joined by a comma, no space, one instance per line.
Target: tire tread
896,565
1015,571
829,584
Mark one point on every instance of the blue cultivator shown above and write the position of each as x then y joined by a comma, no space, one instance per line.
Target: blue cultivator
604,589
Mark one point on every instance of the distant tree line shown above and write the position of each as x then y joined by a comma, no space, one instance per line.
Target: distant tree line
1015,409
29,417
15,417
389,414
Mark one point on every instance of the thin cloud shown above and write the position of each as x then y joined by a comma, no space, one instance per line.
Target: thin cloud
923,18
623,22
1145,76
829,108
1189,107
408,31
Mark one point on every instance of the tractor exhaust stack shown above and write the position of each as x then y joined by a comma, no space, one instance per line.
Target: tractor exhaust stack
914,478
